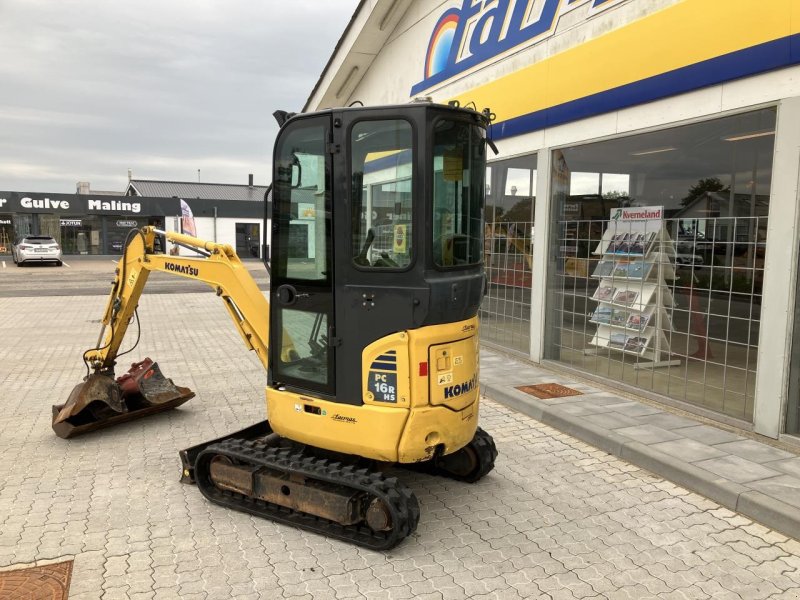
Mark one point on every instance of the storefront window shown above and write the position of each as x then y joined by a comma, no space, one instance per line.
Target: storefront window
117,229
81,235
680,314
6,234
508,252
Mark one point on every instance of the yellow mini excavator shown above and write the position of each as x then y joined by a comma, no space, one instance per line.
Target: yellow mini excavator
370,335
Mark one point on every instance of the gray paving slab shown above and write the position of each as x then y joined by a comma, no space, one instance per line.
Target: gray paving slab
634,409
754,451
582,408
790,466
668,421
783,487
708,434
648,434
737,469
688,450
612,420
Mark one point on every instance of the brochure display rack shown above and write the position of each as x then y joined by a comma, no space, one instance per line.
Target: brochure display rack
632,294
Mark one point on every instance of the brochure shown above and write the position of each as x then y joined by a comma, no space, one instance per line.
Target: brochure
637,321
604,268
617,340
631,270
636,344
602,314
626,297
618,317
604,293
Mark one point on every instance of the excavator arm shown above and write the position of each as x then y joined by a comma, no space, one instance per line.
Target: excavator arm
101,400
219,267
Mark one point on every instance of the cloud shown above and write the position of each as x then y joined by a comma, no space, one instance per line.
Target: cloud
91,89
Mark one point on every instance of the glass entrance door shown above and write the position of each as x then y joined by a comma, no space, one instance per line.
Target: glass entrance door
301,292
248,240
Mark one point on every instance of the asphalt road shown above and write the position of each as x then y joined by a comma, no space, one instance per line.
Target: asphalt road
92,276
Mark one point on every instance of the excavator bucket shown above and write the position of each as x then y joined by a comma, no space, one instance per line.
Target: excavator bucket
100,401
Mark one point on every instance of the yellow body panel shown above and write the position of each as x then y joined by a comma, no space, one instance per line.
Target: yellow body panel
433,425
462,337
369,431
407,412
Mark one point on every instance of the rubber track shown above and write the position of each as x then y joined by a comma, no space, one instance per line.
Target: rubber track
483,443
401,501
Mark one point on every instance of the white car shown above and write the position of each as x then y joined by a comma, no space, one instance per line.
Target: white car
36,248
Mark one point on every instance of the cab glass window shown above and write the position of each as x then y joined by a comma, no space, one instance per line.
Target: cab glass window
300,197
381,170
458,193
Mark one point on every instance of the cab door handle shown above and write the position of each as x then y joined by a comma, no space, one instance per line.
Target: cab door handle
287,294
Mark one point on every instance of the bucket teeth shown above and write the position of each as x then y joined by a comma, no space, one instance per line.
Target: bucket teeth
100,401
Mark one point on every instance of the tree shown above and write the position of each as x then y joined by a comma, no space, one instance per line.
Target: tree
702,187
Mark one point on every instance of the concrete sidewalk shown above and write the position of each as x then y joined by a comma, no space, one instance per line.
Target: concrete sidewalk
742,474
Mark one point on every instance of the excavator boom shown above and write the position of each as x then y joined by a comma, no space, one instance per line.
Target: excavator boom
103,400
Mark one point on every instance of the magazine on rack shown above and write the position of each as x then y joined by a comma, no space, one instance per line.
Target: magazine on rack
602,314
637,321
617,340
631,270
619,318
627,297
631,243
604,268
636,344
604,293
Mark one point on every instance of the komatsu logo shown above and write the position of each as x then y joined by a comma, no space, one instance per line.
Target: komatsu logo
184,269
460,388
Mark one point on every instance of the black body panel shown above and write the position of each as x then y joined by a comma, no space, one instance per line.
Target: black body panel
371,303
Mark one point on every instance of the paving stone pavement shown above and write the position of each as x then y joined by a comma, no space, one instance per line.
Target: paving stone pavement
557,518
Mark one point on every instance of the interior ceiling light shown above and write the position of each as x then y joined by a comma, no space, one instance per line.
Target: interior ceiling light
750,135
653,151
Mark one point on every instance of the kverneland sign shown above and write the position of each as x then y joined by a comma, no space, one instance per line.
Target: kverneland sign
638,213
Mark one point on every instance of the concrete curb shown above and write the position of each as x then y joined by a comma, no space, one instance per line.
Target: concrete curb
771,512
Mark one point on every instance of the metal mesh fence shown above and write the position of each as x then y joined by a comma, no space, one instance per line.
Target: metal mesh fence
506,308
709,277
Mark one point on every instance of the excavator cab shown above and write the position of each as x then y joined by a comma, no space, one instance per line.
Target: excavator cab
377,277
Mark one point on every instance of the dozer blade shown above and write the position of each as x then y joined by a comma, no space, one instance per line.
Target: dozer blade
101,402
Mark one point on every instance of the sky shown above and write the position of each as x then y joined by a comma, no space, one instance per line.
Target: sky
92,88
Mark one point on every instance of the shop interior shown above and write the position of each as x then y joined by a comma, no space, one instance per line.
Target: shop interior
704,274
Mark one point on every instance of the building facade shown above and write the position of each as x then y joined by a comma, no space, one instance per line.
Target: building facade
607,112
97,223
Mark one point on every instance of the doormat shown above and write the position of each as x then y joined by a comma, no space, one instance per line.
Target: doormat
46,582
547,391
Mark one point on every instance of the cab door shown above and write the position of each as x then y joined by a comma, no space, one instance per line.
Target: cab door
380,287
301,288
